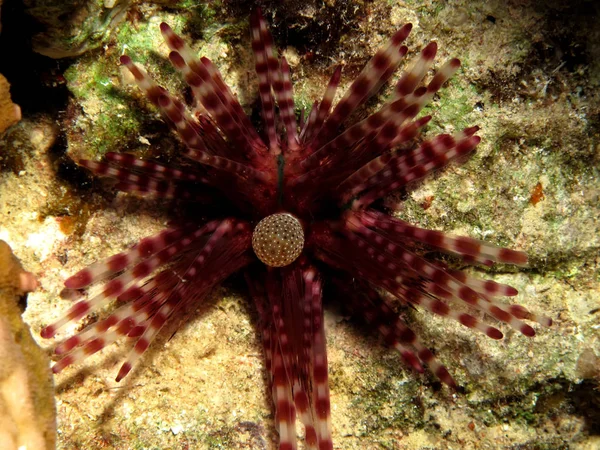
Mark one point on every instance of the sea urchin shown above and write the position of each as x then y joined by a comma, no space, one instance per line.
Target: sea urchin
301,198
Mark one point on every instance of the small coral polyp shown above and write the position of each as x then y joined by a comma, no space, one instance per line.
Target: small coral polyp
304,194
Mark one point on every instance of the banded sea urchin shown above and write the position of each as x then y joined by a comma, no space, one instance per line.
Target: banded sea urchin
300,199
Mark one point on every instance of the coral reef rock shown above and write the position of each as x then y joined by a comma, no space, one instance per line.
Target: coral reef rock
72,27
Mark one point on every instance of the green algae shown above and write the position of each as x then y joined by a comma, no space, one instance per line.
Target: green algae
107,114
106,119
454,107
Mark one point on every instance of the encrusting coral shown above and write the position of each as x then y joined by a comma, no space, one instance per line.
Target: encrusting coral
9,112
27,411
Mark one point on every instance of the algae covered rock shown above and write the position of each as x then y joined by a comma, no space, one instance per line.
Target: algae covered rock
27,411
73,27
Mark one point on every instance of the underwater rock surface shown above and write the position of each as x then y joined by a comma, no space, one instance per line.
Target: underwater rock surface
73,27
529,80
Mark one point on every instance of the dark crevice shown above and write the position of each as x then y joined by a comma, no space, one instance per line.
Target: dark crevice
313,28
37,83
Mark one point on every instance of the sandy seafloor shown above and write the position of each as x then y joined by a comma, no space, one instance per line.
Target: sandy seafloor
530,79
